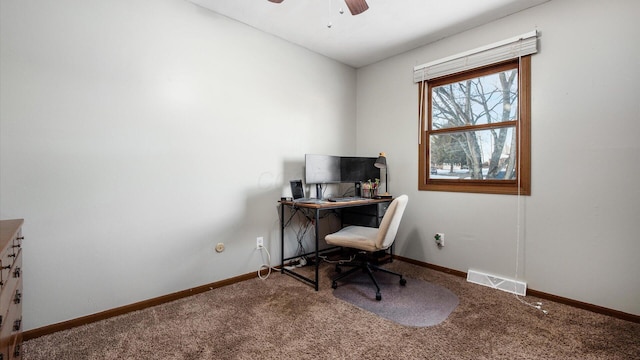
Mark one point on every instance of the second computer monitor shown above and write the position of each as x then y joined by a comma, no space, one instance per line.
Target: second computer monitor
355,169
327,169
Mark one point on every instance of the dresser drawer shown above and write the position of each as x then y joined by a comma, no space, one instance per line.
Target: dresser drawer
10,276
8,256
11,289
15,346
11,328
7,259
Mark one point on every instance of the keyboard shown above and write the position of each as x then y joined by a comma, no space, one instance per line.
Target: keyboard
345,199
308,201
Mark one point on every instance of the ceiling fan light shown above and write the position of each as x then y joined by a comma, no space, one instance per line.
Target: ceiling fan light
276,1
356,6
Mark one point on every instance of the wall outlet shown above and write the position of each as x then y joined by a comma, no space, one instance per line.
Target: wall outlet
439,237
259,242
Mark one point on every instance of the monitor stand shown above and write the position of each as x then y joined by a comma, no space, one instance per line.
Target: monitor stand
319,191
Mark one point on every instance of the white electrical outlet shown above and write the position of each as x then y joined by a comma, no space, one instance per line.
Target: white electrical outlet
259,242
439,237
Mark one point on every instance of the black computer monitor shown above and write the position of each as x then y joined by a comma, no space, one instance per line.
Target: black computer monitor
356,169
329,169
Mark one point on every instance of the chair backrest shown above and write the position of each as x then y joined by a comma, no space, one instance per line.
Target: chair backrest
391,222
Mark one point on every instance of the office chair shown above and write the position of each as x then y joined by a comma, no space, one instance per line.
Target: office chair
370,240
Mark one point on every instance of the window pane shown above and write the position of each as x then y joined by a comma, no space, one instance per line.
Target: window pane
481,100
477,155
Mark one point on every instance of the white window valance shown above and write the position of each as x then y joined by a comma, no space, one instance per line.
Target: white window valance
508,49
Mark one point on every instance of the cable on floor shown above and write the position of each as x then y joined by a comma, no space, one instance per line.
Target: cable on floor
267,266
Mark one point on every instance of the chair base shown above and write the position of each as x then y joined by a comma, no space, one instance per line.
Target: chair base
368,268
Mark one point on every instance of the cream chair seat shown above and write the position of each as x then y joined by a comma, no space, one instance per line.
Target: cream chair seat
370,240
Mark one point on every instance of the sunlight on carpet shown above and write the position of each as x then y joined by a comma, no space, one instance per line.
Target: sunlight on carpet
419,303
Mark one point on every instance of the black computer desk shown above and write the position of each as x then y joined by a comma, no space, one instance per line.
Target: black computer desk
375,209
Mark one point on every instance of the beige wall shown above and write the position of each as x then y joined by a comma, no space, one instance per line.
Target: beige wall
136,135
579,229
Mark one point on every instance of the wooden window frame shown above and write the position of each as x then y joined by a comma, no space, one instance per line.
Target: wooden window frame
522,184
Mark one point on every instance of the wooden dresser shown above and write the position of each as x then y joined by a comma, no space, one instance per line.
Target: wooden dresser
10,289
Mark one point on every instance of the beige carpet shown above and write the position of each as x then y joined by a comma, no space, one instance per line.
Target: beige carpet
282,318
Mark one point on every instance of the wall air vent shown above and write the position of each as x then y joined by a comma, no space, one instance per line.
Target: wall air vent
497,282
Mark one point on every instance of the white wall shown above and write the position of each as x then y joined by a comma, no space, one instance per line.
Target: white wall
579,228
137,134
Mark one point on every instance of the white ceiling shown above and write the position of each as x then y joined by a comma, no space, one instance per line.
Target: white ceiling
388,28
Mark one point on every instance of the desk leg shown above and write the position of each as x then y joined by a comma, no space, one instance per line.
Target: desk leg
317,259
282,238
378,217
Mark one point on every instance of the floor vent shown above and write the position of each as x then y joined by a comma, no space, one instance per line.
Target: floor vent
497,282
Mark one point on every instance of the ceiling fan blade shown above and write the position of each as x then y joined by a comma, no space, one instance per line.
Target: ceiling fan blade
356,6
276,1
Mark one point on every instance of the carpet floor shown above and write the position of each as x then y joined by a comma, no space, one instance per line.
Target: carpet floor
281,318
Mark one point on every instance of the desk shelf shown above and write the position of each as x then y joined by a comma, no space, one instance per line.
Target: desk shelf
366,215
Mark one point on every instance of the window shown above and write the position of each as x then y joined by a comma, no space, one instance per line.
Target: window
476,134
476,137
474,119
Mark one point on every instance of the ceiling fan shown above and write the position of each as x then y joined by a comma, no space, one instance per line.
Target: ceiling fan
355,6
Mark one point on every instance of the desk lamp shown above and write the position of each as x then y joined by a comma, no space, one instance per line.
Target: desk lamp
381,163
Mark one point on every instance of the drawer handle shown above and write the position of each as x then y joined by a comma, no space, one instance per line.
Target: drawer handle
17,297
16,324
6,267
15,246
16,272
16,351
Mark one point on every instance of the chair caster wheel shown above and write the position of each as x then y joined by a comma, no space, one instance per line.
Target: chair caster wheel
378,297
403,282
334,285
